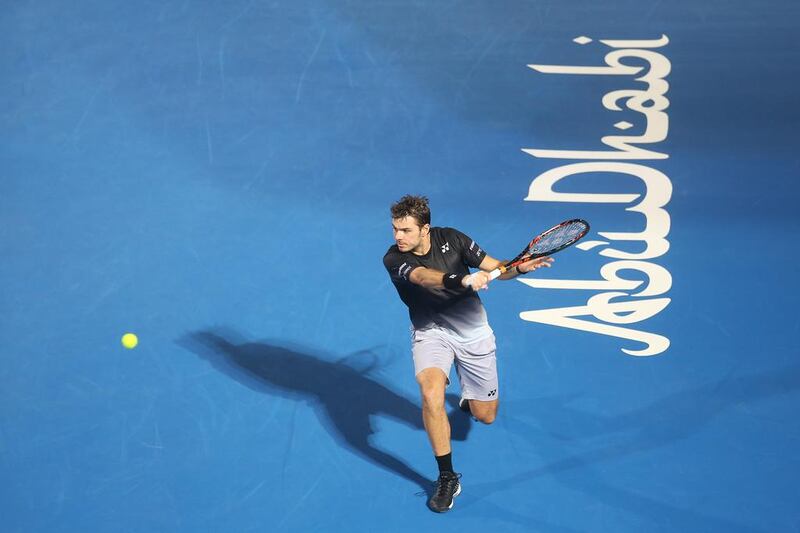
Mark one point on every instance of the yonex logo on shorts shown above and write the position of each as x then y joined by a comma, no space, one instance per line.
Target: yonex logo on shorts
492,392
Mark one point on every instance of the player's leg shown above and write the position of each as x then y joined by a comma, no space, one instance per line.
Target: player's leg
476,364
432,382
433,357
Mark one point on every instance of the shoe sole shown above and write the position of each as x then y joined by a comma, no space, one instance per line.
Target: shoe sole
456,493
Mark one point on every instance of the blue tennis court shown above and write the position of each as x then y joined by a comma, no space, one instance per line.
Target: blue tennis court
216,177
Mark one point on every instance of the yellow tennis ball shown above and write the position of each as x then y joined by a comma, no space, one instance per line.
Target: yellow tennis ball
129,340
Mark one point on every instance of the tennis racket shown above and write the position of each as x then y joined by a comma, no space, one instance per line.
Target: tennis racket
547,243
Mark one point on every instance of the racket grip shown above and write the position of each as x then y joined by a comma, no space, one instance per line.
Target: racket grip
494,274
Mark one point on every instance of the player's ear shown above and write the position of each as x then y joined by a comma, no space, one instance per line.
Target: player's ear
426,229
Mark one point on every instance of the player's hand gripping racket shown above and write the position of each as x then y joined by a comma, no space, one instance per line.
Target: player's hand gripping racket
547,243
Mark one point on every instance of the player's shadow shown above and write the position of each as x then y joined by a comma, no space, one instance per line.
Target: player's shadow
345,398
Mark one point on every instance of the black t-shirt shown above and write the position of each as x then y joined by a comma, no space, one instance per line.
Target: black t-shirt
459,312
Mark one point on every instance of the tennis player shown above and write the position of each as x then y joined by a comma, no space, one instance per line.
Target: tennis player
429,267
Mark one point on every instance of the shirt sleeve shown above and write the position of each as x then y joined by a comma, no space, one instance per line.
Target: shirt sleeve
471,253
399,265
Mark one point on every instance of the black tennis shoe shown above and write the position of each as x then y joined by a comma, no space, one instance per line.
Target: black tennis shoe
447,488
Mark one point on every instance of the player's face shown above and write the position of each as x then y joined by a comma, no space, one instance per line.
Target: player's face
408,235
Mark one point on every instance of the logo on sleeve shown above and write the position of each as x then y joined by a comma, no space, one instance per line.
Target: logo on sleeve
475,248
403,270
446,247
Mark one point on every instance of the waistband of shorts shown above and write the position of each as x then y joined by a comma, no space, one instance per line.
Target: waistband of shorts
450,336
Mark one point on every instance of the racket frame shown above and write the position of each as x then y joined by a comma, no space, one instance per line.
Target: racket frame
525,255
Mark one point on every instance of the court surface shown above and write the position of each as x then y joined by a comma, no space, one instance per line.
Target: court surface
216,176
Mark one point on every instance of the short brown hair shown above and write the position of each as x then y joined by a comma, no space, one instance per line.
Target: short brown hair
412,206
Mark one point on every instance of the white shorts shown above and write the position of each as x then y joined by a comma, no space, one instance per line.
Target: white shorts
476,362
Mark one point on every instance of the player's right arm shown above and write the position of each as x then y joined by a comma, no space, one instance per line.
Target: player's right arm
400,268
434,279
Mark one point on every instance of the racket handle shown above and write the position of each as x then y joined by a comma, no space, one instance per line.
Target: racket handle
494,274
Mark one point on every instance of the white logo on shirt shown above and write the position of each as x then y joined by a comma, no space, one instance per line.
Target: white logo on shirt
445,247
403,271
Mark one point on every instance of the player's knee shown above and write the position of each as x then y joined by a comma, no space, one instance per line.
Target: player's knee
432,383
433,398
486,414
486,418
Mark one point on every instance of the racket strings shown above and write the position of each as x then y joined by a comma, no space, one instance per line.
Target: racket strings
559,237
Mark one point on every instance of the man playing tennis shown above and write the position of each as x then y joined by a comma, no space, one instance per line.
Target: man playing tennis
429,267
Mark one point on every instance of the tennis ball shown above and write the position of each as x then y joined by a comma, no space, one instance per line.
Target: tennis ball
129,340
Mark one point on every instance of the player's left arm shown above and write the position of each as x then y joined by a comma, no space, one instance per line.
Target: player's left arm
489,263
474,256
